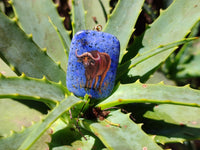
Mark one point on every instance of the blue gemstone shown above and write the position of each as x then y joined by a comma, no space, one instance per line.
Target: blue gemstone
92,64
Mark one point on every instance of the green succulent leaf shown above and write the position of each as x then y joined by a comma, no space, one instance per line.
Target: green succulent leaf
28,137
152,93
33,16
11,143
160,77
182,55
105,7
23,55
95,13
167,28
140,58
33,89
78,16
128,136
5,69
173,123
184,63
31,45
67,138
15,115
64,106
2,6
189,66
119,25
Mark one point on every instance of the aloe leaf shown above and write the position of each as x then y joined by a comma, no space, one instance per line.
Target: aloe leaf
95,13
2,8
14,45
181,123
15,115
140,58
119,25
18,115
67,138
151,53
11,143
33,89
179,115
5,69
186,60
64,106
10,120
65,46
33,18
166,29
160,77
24,117
78,16
89,144
128,136
189,65
105,7
153,93
182,55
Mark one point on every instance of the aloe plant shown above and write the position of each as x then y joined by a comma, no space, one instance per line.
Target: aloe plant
38,111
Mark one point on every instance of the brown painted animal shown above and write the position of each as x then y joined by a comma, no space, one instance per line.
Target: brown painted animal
96,65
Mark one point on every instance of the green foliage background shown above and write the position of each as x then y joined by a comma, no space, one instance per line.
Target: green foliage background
37,110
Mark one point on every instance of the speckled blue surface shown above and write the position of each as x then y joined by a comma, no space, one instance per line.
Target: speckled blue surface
86,41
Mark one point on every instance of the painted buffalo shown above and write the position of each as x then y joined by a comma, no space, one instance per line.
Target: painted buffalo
96,65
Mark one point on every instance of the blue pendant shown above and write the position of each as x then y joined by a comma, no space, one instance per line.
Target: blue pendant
92,64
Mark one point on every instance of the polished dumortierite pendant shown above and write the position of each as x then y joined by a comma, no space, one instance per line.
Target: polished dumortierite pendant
92,64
